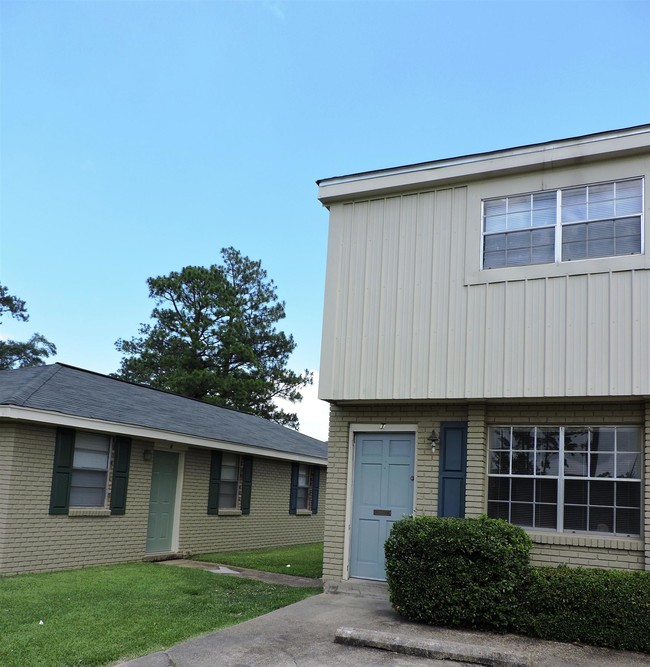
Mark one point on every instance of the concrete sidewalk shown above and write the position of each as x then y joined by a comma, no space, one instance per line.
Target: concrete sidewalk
303,635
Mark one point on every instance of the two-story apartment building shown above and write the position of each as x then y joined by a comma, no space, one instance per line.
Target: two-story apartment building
486,350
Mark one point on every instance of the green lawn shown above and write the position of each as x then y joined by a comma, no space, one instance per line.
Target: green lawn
98,615
305,560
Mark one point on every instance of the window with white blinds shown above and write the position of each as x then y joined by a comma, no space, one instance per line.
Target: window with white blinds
599,220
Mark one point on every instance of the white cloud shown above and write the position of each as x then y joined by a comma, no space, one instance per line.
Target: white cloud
313,414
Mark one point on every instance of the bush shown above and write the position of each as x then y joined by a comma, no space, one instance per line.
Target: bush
457,572
600,607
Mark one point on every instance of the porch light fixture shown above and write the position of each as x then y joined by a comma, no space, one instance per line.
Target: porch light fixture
433,439
147,454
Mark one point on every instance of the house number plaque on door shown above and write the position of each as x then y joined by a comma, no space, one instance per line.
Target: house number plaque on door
382,512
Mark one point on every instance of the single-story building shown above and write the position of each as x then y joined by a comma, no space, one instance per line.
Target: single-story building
97,470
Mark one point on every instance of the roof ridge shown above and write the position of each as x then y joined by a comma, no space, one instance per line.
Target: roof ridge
37,382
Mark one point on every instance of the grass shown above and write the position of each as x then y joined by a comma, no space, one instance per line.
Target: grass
98,615
306,560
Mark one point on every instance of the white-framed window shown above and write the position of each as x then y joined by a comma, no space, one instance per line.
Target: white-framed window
92,453
568,479
229,483
304,484
567,224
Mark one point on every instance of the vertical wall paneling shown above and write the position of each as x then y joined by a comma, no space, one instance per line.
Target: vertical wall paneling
598,323
576,336
422,293
620,370
513,340
456,310
534,309
554,344
494,340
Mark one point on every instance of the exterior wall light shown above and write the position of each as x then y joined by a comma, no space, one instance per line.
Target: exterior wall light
433,439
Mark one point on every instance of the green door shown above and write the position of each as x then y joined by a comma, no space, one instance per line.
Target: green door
161,502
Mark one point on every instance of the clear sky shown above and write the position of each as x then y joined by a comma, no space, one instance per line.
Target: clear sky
138,137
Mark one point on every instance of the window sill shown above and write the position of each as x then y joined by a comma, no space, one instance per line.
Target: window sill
89,511
303,512
583,540
229,512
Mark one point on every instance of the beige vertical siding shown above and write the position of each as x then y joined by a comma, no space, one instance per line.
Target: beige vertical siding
409,316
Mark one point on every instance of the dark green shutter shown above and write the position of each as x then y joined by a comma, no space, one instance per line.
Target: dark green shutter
293,496
247,485
314,491
215,482
62,472
120,475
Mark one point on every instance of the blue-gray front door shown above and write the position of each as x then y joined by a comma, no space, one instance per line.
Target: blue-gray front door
453,469
162,500
382,494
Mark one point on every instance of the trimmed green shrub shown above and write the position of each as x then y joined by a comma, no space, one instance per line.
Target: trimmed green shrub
457,572
600,607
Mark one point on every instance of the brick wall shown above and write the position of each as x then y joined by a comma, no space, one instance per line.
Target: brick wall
548,547
32,540
269,522
36,541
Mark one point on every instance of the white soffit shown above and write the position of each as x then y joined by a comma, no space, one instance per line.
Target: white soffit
481,165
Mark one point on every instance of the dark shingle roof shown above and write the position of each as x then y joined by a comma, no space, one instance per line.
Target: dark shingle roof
81,393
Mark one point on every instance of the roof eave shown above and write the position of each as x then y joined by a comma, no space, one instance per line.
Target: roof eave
47,417
564,152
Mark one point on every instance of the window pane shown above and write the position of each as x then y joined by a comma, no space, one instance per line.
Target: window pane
628,494
574,196
544,217
573,251
601,519
576,439
494,242
601,493
575,465
494,207
575,518
498,510
603,229
573,233
523,438
495,223
88,488
546,516
91,451
522,463
518,240
629,188
601,209
628,466
628,521
228,495
548,439
518,204
499,488
574,213
500,438
628,206
519,220
493,260
600,248
303,498
547,463
600,193
628,245
576,492
628,439
545,200
546,490
521,514
603,439
542,254
518,257
500,463
601,465
522,489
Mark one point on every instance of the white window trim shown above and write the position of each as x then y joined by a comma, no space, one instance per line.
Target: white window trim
558,227
559,530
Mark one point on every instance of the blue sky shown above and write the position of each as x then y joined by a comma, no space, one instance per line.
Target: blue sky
140,137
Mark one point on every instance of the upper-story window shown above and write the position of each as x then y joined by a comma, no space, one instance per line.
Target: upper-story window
599,220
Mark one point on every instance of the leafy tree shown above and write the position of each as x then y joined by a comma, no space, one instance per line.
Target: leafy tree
14,354
214,338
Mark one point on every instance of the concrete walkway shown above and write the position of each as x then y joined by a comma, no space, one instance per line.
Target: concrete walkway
359,631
